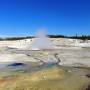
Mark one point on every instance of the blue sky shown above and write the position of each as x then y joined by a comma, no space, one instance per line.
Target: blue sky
25,17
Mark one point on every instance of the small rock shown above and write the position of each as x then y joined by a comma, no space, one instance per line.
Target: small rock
88,88
88,75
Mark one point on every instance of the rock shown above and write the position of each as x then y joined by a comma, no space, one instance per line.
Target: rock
88,75
88,88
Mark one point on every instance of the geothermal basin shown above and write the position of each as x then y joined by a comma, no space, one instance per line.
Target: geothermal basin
34,66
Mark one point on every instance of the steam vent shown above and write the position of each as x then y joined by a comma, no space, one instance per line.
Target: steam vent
41,42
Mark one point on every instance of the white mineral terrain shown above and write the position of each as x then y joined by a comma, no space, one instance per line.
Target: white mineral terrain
66,52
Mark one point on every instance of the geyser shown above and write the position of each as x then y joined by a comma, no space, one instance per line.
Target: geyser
41,41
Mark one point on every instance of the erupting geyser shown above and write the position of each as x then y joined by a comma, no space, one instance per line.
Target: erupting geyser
41,41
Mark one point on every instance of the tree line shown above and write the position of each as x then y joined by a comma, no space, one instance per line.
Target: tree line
82,37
